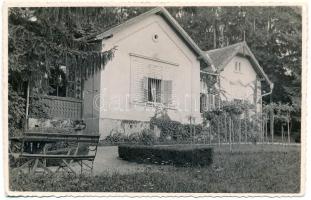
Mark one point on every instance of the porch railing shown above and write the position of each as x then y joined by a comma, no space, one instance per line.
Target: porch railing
63,107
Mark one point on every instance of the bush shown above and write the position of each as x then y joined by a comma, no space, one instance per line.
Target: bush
174,129
114,137
147,137
174,154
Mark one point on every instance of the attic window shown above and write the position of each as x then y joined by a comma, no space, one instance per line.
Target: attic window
155,37
237,67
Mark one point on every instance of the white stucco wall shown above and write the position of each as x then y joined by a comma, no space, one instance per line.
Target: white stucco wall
169,53
240,85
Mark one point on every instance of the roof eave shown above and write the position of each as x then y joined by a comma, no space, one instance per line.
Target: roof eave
187,38
258,66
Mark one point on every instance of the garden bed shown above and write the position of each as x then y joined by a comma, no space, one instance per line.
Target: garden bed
179,155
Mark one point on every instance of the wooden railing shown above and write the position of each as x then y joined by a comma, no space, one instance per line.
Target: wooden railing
63,107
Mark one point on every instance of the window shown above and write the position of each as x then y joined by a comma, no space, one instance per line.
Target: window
207,102
157,90
155,37
237,66
64,82
58,82
203,103
154,90
211,101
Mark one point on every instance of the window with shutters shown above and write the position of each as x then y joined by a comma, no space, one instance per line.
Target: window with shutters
157,91
151,82
208,102
203,103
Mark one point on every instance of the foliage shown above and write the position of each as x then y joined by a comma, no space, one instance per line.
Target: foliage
16,111
232,122
174,154
282,112
42,39
114,137
167,127
147,137
173,129
273,34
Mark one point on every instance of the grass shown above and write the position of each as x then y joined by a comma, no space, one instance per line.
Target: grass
261,171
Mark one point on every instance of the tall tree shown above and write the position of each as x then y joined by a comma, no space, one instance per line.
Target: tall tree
42,39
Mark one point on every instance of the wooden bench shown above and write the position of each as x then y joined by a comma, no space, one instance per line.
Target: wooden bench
67,156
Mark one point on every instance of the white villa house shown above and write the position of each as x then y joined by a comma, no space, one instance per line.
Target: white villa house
155,64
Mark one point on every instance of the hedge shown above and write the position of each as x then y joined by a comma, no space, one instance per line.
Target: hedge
178,155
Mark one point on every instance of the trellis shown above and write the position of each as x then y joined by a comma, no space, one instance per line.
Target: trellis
280,113
237,123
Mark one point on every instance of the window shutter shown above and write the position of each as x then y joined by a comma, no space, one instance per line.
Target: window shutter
145,89
166,92
217,101
169,91
213,104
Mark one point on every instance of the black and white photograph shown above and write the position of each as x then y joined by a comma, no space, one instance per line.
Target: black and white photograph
161,99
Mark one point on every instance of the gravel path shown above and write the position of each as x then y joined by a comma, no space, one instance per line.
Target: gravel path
108,161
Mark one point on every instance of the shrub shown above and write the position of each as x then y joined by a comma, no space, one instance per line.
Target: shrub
134,137
174,154
168,127
114,137
147,137
173,129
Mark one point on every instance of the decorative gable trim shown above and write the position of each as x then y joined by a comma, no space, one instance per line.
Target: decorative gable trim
153,59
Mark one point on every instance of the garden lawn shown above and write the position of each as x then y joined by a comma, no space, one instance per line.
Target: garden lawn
277,171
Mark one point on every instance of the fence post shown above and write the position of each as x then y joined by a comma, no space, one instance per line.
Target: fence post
230,126
240,131
245,129
218,132
226,139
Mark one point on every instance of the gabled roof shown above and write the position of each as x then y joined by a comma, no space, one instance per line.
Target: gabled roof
171,21
222,56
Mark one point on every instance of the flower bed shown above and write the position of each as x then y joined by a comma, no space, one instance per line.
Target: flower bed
179,155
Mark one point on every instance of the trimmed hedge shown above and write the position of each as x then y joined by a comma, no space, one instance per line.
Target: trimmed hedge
179,155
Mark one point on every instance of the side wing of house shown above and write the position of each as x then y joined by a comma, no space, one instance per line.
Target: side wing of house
239,81
151,66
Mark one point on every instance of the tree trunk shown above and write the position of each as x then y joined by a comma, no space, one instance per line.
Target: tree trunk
288,132
282,133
